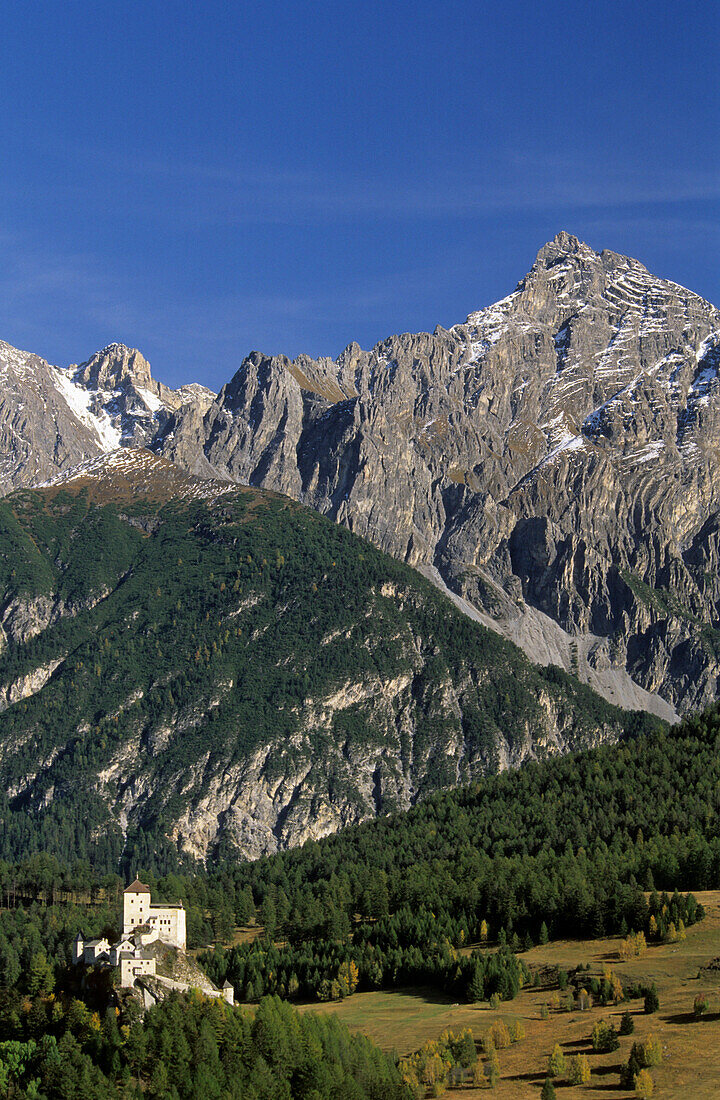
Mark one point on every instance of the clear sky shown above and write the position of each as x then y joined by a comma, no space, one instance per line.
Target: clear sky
203,179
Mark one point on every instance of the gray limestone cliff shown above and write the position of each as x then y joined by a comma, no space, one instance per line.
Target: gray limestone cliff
554,459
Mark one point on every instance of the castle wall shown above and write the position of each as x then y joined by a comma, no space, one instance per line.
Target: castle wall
131,968
169,923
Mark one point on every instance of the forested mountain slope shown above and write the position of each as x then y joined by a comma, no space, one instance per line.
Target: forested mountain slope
564,847
191,666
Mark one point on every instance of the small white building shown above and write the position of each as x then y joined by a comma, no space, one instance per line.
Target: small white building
95,951
133,965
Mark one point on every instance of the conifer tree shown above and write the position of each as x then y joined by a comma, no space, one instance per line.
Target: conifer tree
627,1024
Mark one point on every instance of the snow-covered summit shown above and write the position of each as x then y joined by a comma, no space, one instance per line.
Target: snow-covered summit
52,417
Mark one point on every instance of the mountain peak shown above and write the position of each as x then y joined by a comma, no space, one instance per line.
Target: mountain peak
568,242
106,369
562,244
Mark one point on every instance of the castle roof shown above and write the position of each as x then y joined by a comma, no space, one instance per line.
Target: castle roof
137,887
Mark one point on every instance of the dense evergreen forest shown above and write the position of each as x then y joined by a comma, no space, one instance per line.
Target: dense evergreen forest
195,631
187,1048
570,842
567,846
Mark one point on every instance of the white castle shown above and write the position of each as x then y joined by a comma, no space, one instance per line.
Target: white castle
154,922
144,924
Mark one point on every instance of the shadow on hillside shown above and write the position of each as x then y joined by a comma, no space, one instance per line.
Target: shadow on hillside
605,1071
539,1077
431,996
691,1018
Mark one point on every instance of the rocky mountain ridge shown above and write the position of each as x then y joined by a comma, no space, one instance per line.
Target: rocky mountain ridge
52,418
552,460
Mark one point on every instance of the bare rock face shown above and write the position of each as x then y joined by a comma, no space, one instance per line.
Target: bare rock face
39,433
52,419
555,454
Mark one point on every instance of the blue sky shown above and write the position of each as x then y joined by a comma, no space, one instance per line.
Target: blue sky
199,180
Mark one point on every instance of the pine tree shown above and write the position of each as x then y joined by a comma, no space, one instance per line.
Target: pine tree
476,988
467,1055
41,978
629,1071
627,1024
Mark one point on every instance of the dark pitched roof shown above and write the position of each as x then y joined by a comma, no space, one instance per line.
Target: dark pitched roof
137,887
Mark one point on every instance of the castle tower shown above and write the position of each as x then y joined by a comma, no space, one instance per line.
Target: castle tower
136,906
163,922
78,948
